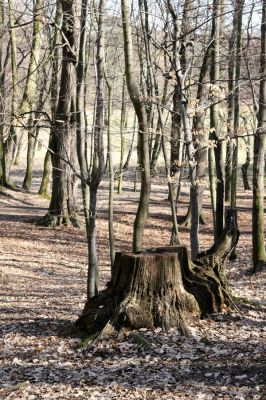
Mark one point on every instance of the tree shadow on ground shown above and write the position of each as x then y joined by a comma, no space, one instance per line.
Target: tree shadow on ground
144,368
27,216
40,327
52,234
11,197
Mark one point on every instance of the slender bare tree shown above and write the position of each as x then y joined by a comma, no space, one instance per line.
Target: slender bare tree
258,238
143,142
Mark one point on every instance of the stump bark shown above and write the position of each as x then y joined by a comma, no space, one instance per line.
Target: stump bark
210,286
162,287
146,291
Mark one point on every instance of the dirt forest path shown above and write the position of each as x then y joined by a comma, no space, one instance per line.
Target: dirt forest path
42,289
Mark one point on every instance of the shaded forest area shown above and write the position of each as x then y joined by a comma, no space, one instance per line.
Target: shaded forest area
132,207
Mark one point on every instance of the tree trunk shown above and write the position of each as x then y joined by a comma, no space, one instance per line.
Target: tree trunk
211,264
47,169
212,178
98,155
111,173
175,234
133,90
238,56
28,103
176,132
258,239
200,139
162,288
30,153
122,138
245,166
54,90
181,71
93,273
33,128
214,118
158,143
230,112
11,140
129,154
2,94
228,163
62,209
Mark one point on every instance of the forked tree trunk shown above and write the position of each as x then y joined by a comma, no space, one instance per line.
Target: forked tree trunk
162,287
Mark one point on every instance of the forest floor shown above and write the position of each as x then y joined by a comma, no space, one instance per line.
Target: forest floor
43,286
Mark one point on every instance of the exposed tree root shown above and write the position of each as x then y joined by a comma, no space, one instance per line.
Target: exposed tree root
52,220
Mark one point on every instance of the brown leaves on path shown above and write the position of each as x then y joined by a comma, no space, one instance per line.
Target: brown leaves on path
43,283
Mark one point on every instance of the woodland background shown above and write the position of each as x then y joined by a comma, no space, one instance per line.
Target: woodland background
125,127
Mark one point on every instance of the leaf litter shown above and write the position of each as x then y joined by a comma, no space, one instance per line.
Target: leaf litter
43,286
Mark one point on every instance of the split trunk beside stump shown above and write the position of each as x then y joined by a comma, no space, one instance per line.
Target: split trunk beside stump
162,288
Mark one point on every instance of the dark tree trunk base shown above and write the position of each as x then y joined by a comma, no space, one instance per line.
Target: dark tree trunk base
163,288
51,220
9,185
244,169
260,266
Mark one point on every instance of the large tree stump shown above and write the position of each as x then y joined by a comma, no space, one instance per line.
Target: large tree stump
146,291
162,287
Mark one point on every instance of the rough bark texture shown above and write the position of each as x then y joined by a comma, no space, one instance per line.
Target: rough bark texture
62,209
210,286
146,291
162,287
258,236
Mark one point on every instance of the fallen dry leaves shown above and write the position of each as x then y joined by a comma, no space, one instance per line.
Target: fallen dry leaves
43,279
